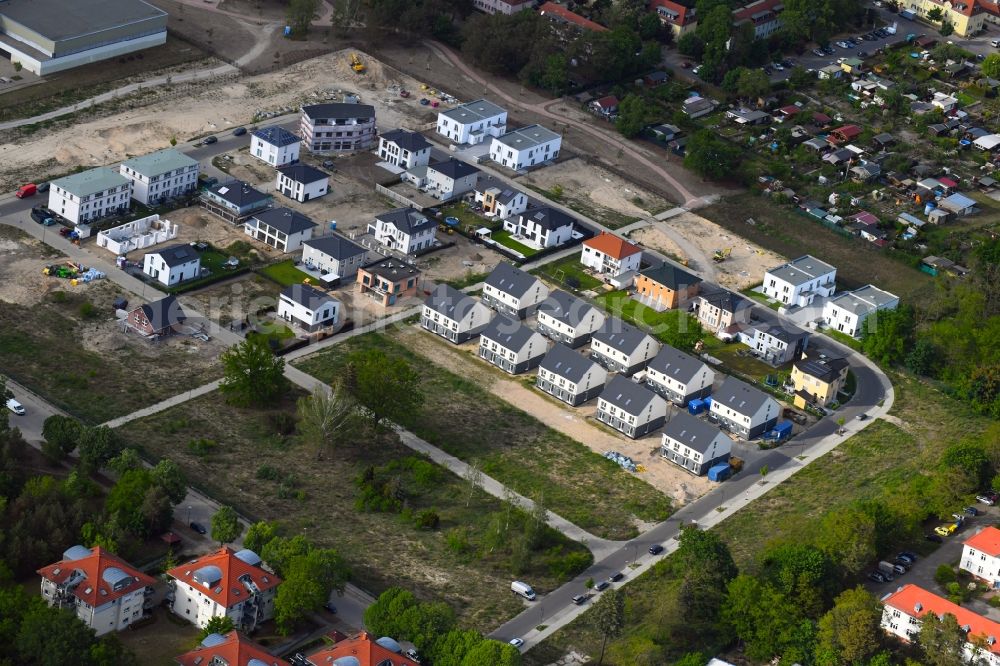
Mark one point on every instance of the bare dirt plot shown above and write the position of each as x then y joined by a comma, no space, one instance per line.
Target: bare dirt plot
22,259
575,422
596,192
746,263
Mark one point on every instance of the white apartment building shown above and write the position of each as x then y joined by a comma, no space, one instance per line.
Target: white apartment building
453,315
694,444
282,228
308,308
511,346
743,409
679,377
800,281
621,347
172,265
337,128
498,200
162,175
502,6
333,256
567,319
849,311
90,195
101,589
275,145
569,376
981,556
472,122
513,292
608,254
525,147
404,149
224,583
630,408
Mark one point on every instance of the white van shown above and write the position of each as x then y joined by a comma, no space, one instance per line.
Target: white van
15,406
523,590
995,43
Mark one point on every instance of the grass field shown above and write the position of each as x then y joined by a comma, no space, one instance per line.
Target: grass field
674,327
513,447
504,238
568,268
787,233
252,462
284,273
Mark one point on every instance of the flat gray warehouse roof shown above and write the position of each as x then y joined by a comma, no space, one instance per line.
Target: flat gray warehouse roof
59,20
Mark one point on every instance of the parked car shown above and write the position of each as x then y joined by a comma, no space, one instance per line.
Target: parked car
412,655
330,607
603,585
198,527
517,642
580,599
971,510
906,556
861,417
328,164
945,530
863,54
43,187
209,140
614,578
15,406
934,537
778,66
877,577
239,131
655,549
819,52
986,499
908,553
906,564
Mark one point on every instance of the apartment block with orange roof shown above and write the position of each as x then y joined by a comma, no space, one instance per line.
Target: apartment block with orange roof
104,591
981,556
610,255
232,649
903,609
364,650
224,583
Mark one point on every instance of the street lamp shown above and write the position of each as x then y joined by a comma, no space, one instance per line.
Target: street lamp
189,514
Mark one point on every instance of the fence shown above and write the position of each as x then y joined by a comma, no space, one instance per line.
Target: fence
397,197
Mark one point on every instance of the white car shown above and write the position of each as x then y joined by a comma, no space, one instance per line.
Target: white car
15,406
517,642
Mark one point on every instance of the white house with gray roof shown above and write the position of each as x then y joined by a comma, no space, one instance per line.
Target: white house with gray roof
472,122
778,344
630,408
848,312
694,444
275,145
164,174
282,228
513,292
454,315
333,256
308,307
405,230
679,377
621,347
800,281
302,182
564,318
444,180
570,376
234,201
404,149
90,195
172,265
498,200
511,346
525,147
541,227
743,410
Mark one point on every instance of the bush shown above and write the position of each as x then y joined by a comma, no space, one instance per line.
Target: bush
457,540
569,565
202,447
428,519
87,310
58,296
994,601
945,575
425,473
268,473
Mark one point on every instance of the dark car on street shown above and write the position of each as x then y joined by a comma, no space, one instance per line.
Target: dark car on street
603,585
209,140
199,528
239,131
655,549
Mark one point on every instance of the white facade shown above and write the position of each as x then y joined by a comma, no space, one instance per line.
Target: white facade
406,156
592,321
539,229
90,195
157,267
747,423
115,615
592,380
681,387
198,608
161,175
475,318
44,66
800,281
600,260
137,234
281,228
311,314
502,6
444,186
473,122
525,147
276,154
848,312
301,192
512,357
346,262
631,422
501,203
625,360
981,556
407,239
513,304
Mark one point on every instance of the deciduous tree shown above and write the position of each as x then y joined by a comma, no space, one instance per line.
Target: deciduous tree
327,419
608,617
849,633
220,624
300,13
252,374
61,433
386,386
259,535
225,525
98,446
168,475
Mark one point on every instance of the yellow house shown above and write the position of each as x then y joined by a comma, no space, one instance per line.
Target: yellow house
967,16
817,380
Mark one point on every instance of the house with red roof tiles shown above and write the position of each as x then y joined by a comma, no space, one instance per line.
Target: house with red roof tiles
104,591
224,583
903,609
679,18
609,254
365,650
981,555
763,15
560,14
232,649
966,16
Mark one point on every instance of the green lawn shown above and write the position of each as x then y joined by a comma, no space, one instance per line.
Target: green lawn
748,366
569,269
504,238
518,450
843,338
250,460
468,218
761,298
674,327
285,273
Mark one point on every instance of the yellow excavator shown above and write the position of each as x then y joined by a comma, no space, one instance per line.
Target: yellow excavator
722,255
356,64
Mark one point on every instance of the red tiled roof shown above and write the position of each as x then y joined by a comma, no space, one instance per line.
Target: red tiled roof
909,596
845,133
864,217
990,6
821,117
237,650
561,12
611,245
674,8
229,591
947,182
746,11
94,590
608,102
986,541
789,110
963,7
364,648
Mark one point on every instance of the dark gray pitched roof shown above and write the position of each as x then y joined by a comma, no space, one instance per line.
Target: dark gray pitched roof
305,295
787,334
508,333
335,246
740,396
303,173
285,220
548,218
691,432
628,396
725,300
824,369
239,193
676,364
453,168
276,136
511,280
406,219
177,255
450,302
567,363
163,313
411,141
339,111
621,336
566,308
671,276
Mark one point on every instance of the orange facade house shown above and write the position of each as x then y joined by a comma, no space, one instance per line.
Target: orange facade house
666,287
